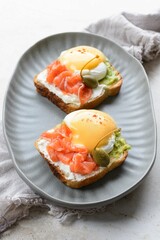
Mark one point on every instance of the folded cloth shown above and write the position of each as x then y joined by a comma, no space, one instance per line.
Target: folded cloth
15,196
137,33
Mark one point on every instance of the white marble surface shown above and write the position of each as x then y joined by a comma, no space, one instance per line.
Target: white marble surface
22,23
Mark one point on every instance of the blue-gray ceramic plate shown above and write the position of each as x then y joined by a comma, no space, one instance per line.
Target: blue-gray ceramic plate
27,114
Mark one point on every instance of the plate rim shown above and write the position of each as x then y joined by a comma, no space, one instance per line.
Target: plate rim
38,190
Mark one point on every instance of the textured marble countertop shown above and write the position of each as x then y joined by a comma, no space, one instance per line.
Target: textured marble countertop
136,216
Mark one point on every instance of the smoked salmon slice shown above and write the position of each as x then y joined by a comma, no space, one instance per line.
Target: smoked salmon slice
54,69
81,165
68,82
61,148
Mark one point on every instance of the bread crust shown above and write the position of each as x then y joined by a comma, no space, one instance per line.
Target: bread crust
68,107
89,179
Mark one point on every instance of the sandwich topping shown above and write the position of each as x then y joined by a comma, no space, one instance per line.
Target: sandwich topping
79,75
67,81
61,148
85,141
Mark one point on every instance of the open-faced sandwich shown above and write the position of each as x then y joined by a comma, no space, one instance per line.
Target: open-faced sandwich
82,77
83,148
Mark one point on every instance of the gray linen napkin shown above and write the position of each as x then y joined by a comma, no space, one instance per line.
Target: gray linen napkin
139,35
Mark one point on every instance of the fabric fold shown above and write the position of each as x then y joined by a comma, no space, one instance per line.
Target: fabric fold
131,32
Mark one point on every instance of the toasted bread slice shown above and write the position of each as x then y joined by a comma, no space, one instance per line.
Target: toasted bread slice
75,180
111,90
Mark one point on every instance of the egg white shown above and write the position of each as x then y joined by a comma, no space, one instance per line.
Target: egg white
96,73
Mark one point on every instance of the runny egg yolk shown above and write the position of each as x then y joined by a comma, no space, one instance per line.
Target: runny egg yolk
89,127
76,58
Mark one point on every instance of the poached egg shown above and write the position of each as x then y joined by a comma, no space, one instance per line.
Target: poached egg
87,59
89,127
